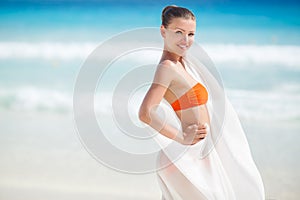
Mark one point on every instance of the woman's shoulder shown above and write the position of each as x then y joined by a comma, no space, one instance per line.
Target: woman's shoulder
165,72
166,63
166,67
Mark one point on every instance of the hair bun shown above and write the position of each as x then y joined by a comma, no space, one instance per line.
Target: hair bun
167,8
173,11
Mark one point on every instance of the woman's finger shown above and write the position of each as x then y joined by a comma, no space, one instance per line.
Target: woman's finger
201,136
201,131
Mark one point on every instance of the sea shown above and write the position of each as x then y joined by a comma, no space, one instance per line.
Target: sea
44,45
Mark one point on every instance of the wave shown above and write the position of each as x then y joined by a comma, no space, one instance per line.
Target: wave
45,50
255,54
279,104
286,55
35,99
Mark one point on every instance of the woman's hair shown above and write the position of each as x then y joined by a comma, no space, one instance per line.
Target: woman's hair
173,11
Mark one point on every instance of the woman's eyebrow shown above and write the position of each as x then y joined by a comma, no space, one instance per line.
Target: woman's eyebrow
182,29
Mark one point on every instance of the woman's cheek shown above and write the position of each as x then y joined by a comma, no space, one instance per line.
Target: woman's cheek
192,41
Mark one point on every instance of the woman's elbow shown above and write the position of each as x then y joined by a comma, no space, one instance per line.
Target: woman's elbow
144,115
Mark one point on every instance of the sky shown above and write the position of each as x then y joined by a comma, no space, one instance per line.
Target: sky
202,2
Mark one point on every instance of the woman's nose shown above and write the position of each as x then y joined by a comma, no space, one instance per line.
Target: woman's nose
185,38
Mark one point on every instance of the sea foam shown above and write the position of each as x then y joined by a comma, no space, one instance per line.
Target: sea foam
285,55
250,105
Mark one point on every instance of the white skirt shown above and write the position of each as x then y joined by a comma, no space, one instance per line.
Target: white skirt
228,172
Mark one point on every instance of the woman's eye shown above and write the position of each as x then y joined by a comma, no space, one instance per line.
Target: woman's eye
191,34
178,32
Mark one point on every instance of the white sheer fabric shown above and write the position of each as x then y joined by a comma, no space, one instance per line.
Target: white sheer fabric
220,167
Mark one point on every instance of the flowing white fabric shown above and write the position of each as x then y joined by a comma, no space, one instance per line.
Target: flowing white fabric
220,167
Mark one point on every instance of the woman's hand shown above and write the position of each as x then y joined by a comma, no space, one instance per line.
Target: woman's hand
194,133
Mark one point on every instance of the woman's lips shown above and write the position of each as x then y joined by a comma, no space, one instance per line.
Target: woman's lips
184,47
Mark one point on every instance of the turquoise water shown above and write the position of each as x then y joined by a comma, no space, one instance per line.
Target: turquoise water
260,24
255,48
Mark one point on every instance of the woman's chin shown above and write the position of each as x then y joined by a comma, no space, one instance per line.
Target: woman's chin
179,52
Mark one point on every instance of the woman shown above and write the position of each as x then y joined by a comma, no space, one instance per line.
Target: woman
224,173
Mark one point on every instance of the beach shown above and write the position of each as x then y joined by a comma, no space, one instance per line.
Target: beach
43,48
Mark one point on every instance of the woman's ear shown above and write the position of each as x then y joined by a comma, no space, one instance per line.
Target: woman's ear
163,31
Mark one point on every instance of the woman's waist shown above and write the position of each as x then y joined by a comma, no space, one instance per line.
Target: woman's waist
190,117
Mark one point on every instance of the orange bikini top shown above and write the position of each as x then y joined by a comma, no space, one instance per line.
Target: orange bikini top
195,96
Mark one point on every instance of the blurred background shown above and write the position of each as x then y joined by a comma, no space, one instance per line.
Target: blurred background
255,45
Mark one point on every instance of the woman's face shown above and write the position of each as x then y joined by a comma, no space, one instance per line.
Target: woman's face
179,35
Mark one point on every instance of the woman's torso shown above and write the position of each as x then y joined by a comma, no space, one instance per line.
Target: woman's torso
178,87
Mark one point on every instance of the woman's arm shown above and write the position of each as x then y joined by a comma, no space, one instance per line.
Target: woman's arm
162,79
147,113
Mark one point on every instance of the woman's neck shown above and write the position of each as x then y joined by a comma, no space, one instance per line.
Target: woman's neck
171,56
